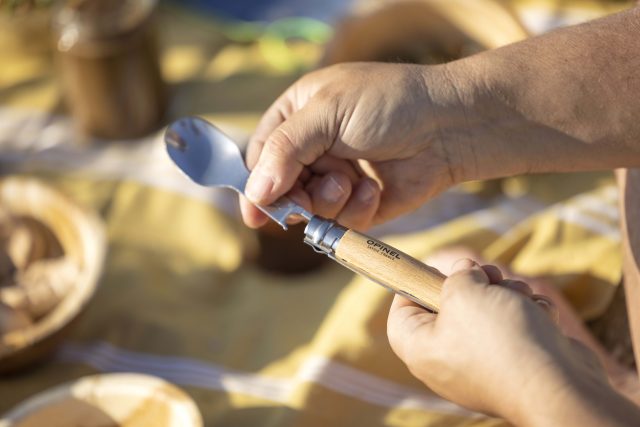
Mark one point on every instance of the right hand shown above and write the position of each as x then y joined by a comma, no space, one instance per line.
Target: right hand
358,142
492,349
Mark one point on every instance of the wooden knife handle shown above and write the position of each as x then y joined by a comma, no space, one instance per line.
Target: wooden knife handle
391,268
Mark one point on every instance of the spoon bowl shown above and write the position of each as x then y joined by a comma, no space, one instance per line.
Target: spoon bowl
210,158
206,154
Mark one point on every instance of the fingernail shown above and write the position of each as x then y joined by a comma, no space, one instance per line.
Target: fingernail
331,190
366,193
543,302
258,186
463,264
548,306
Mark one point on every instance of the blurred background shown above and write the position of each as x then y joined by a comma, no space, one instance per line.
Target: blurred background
111,261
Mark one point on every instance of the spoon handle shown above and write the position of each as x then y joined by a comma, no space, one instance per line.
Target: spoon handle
377,261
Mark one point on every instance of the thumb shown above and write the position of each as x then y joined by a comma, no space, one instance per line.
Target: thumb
299,141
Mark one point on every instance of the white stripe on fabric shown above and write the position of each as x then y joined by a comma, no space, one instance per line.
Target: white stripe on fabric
542,19
507,213
105,357
604,204
332,375
574,216
580,210
36,142
364,386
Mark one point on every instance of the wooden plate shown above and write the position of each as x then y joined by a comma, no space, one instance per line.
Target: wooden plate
118,400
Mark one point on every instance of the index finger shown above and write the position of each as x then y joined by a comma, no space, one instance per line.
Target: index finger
270,120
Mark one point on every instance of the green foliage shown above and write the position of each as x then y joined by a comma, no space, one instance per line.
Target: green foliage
22,6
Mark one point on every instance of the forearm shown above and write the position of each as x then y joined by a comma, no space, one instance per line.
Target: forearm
566,101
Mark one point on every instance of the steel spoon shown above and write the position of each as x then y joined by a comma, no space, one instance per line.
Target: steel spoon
210,158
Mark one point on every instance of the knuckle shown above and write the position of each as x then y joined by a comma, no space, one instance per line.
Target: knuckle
285,106
281,143
324,94
303,138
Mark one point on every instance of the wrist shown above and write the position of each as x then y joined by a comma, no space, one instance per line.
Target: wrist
463,114
573,394
560,102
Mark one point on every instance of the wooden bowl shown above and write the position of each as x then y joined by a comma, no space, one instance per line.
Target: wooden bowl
82,237
109,400
421,31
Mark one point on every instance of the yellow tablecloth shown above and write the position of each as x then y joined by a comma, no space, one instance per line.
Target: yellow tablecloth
178,301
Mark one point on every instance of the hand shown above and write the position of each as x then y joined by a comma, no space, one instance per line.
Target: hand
494,350
368,142
357,142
